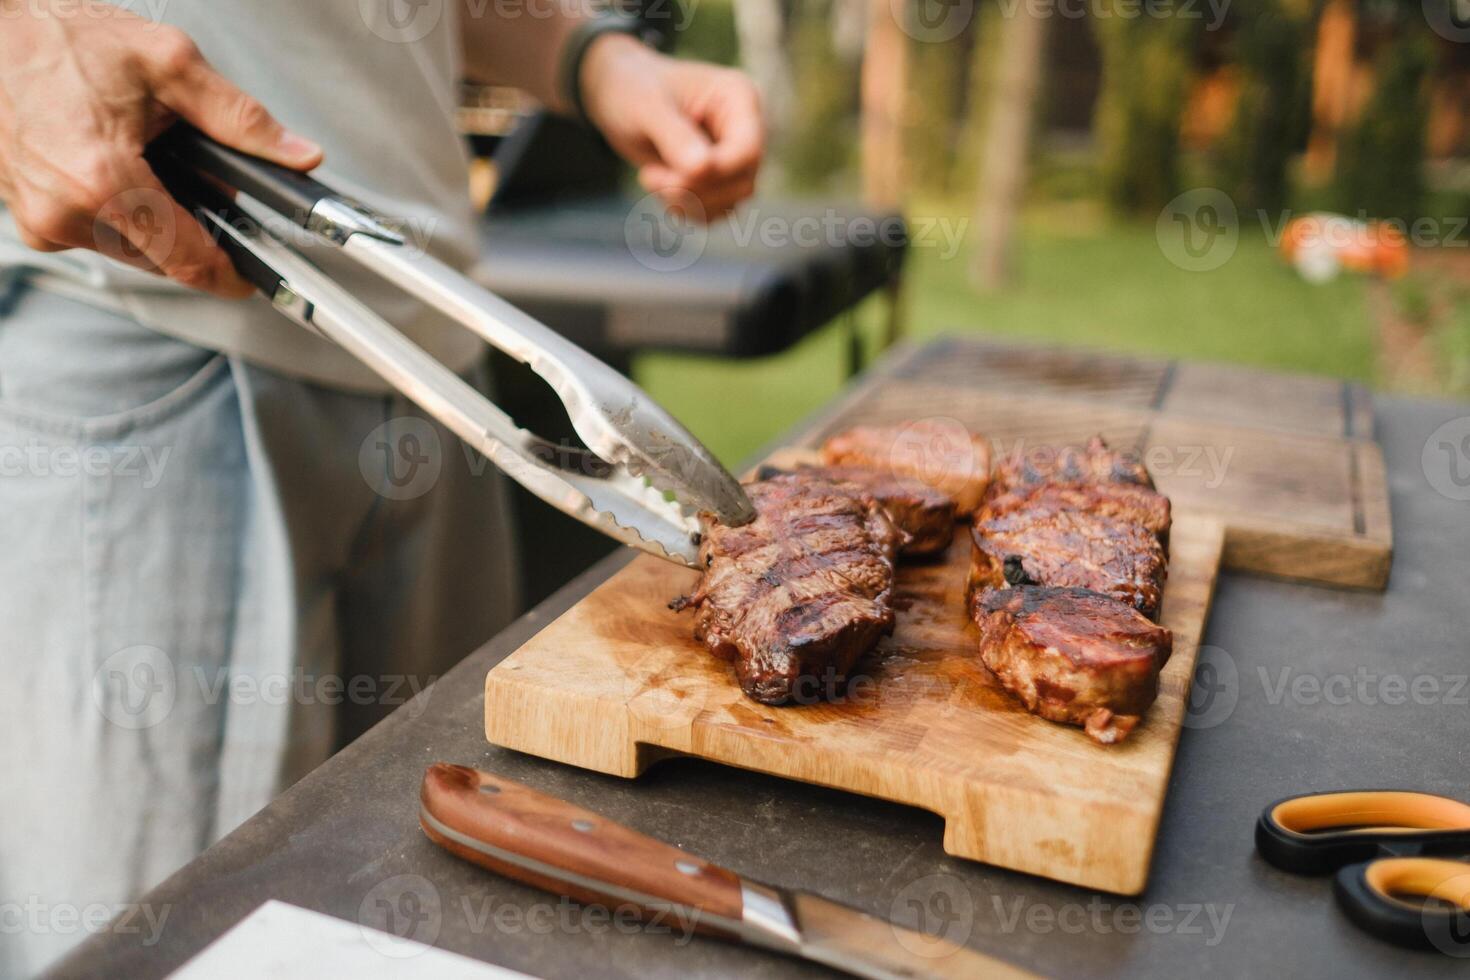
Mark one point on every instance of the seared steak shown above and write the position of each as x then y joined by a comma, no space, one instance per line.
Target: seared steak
1119,501
1069,548
802,591
924,514
932,453
1094,463
1072,655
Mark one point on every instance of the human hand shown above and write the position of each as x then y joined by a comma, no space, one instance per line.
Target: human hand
693,130
83,89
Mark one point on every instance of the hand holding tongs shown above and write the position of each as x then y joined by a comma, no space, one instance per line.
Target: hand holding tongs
640,456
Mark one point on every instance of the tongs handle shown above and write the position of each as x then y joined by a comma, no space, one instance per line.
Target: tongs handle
290,193
641,452
200,197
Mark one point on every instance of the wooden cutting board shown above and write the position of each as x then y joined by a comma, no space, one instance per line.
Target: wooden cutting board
618,682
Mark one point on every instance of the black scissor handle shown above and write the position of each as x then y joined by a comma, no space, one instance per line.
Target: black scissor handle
1376,896
1315,833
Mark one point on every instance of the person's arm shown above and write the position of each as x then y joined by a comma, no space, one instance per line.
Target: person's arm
83,89
693,130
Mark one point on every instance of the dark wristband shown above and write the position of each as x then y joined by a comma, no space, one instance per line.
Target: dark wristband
569,74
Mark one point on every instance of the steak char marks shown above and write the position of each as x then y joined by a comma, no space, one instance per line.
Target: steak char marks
1067,570
1128,502
802,592
1072,655
1093,463
1069,549
924,514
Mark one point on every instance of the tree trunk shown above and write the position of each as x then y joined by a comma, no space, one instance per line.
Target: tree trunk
1332,87
1005,148
762,32
884,89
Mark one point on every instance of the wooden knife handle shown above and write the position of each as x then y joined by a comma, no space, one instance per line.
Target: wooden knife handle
540,840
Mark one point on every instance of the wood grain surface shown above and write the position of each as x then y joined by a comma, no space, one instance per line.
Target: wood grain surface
619,682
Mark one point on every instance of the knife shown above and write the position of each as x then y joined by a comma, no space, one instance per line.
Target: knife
558,847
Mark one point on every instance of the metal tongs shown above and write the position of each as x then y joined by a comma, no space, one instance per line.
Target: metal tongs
646,478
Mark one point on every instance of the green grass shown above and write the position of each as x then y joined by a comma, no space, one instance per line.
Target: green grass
1082,281
1453,342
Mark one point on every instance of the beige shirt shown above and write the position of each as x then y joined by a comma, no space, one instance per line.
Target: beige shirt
375,83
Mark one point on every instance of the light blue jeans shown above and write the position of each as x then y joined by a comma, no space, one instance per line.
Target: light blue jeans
208,572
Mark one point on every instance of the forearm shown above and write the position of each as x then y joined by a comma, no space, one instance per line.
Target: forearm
520,44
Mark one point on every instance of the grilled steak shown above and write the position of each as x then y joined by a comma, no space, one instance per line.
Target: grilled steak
1072,655
932,453
1069,548
1094,463
924,514
802,591
1119,501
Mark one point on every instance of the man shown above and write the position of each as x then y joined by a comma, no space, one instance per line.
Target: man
219,529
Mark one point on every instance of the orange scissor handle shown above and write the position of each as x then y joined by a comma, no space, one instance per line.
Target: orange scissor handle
1370,811
1412,901
1380,842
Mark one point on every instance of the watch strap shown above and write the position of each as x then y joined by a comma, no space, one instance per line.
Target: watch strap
574,52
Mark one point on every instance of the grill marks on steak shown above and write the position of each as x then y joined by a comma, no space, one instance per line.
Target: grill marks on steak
1128,502
923,513
1072,655
1067,569
1093,463
802,591
933,453
1069,549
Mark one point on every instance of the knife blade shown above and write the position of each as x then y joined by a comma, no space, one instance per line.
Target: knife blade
867,946
559,847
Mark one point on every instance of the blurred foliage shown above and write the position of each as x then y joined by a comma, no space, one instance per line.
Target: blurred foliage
1272,47
1411,296
709,33
1432,307
822,141
936,112
1453,342
1380,167
1148,64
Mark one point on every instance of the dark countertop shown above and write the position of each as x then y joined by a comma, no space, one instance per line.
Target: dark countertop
1212,908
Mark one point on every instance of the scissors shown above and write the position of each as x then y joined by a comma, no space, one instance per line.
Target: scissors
1386,847
646,478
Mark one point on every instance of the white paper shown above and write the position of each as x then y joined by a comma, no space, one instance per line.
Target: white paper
285,942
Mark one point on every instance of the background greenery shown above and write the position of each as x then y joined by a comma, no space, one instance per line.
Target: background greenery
1091,271
1085,281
